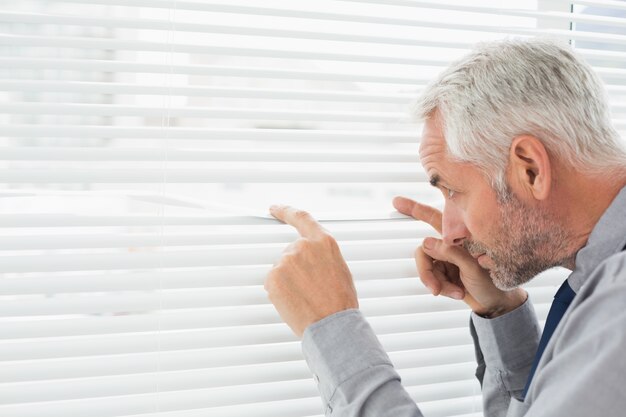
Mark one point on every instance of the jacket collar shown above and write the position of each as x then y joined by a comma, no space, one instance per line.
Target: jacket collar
607,238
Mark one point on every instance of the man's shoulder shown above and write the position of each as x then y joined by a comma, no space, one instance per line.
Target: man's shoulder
610,272
605,288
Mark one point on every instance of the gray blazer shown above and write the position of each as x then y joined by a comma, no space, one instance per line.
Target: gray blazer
581,373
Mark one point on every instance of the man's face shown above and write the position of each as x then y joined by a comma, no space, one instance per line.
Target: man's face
515,240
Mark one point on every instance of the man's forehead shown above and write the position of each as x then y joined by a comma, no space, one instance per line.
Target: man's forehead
431,145
432,136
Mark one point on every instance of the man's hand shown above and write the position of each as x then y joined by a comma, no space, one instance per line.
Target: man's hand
453,272
311,280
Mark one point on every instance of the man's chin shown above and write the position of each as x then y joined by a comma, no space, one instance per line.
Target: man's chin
504,285
505,280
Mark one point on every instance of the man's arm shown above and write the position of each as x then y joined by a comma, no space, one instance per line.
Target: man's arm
354,374
356,378
505,350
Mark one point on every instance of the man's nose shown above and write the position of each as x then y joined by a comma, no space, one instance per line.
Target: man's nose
453,228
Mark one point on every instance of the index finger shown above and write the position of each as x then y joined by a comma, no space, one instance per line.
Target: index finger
304,223
419,211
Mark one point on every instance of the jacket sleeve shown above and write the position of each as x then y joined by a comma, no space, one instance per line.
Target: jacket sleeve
505,349
355,376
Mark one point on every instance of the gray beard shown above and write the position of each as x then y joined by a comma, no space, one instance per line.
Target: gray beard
526,242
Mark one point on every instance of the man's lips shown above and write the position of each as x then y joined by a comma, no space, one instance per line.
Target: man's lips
477,255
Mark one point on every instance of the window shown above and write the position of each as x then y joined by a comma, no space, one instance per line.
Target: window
142,143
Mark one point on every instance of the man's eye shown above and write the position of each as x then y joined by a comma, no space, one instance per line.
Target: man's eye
450,193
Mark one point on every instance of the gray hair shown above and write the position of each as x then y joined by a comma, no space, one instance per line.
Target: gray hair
508,88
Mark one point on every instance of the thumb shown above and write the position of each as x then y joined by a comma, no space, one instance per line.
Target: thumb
457,255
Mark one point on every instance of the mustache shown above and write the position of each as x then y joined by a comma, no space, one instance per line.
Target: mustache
475,248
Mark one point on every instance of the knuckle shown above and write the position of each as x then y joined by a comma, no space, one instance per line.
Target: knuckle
300,214
328,240
270,282
299,246
287,260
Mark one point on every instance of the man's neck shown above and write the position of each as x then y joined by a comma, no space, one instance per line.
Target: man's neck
583,200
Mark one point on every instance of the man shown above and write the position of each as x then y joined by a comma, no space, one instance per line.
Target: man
518,138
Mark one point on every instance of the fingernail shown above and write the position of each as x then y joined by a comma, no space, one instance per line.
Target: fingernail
429,243
457,295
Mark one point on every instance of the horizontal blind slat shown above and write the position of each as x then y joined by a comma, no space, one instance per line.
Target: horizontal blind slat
141,302
154,24
208,175
241,358
205,70
611,4
187,396
19,85
182,278
26,242
501,11
209,134
428,380
43,153
79,220
63,108
186,319
25,349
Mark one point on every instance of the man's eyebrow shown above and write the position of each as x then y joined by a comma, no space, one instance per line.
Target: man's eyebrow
434,180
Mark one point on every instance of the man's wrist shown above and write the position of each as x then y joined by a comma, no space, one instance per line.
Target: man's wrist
512,300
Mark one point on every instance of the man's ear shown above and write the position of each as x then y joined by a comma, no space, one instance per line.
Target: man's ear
529,167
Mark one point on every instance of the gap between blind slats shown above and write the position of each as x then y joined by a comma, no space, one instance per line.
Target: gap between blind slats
44,153
241,358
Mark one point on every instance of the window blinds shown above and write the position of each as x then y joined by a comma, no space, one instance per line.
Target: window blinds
142,142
